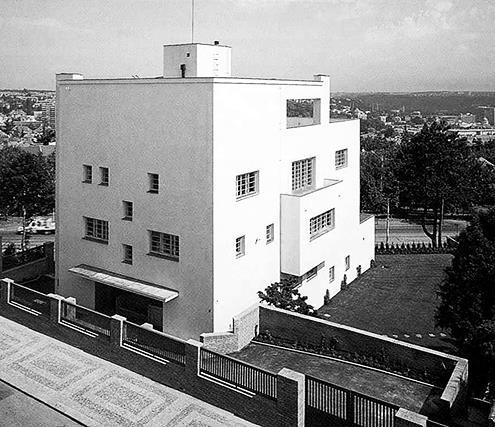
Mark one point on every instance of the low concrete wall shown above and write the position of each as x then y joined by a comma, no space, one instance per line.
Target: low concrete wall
290,326
246,325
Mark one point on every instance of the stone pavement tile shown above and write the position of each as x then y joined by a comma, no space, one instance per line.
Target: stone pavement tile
95,391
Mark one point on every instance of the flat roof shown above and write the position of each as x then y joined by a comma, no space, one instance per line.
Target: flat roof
199,80
202,44
125,283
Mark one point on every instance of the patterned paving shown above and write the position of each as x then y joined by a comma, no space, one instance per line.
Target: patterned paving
94,391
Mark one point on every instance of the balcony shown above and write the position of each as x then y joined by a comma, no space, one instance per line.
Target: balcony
300,251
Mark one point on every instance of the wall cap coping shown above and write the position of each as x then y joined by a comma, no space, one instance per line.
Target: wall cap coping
412,417
56,296
216,334
194,343
251,308
119,317
292,375
7,280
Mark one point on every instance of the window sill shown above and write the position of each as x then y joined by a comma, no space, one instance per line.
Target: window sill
320,233
103,184
163,256
127,218
126,262
94,239
246,196
152,191
87,182
340,167
239,256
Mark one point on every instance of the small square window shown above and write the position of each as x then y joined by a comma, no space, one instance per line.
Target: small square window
240,249
87,174
128,210
347,262
154,183
104,176
270,233
188,55
127,254
331,274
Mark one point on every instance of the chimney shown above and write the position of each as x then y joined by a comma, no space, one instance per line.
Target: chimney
216,42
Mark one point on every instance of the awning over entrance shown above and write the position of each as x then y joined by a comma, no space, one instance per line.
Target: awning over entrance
129,284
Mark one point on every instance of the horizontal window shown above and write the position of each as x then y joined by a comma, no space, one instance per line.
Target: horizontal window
164,244
96,229
322,223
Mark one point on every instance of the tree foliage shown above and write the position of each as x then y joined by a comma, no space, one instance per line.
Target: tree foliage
436,171
27,182
467,296
285,295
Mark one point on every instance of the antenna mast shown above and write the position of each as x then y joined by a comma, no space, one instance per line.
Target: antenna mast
192,22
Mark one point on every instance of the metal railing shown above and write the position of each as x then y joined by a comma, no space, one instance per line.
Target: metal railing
154,343
85,319
340,406
238,373
30,299
20,258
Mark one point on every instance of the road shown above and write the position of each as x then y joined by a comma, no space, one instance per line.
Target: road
8,234
17,409
402,231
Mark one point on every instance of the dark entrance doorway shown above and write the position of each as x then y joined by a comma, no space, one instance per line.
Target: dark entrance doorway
136,308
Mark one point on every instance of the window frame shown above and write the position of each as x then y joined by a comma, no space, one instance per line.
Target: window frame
331,274
321,224
242,188
152,177
104,176
347,262
270,233
126,205
172,241
306,181
99,230
344,163
126,259
240,246
87,174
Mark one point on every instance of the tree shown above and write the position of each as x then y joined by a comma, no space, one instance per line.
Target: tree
46,137
27,183
436,171
285,295
467,295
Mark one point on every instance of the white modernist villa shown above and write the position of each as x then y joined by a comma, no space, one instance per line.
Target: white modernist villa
180,197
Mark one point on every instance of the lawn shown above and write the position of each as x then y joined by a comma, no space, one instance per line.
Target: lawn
396,298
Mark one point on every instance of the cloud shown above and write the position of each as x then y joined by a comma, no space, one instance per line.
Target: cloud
46,23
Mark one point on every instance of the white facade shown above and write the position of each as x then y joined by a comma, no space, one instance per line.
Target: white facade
198,134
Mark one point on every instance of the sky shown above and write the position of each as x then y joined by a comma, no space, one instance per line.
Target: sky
364,45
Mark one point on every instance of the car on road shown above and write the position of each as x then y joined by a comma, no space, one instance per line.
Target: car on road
39,225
